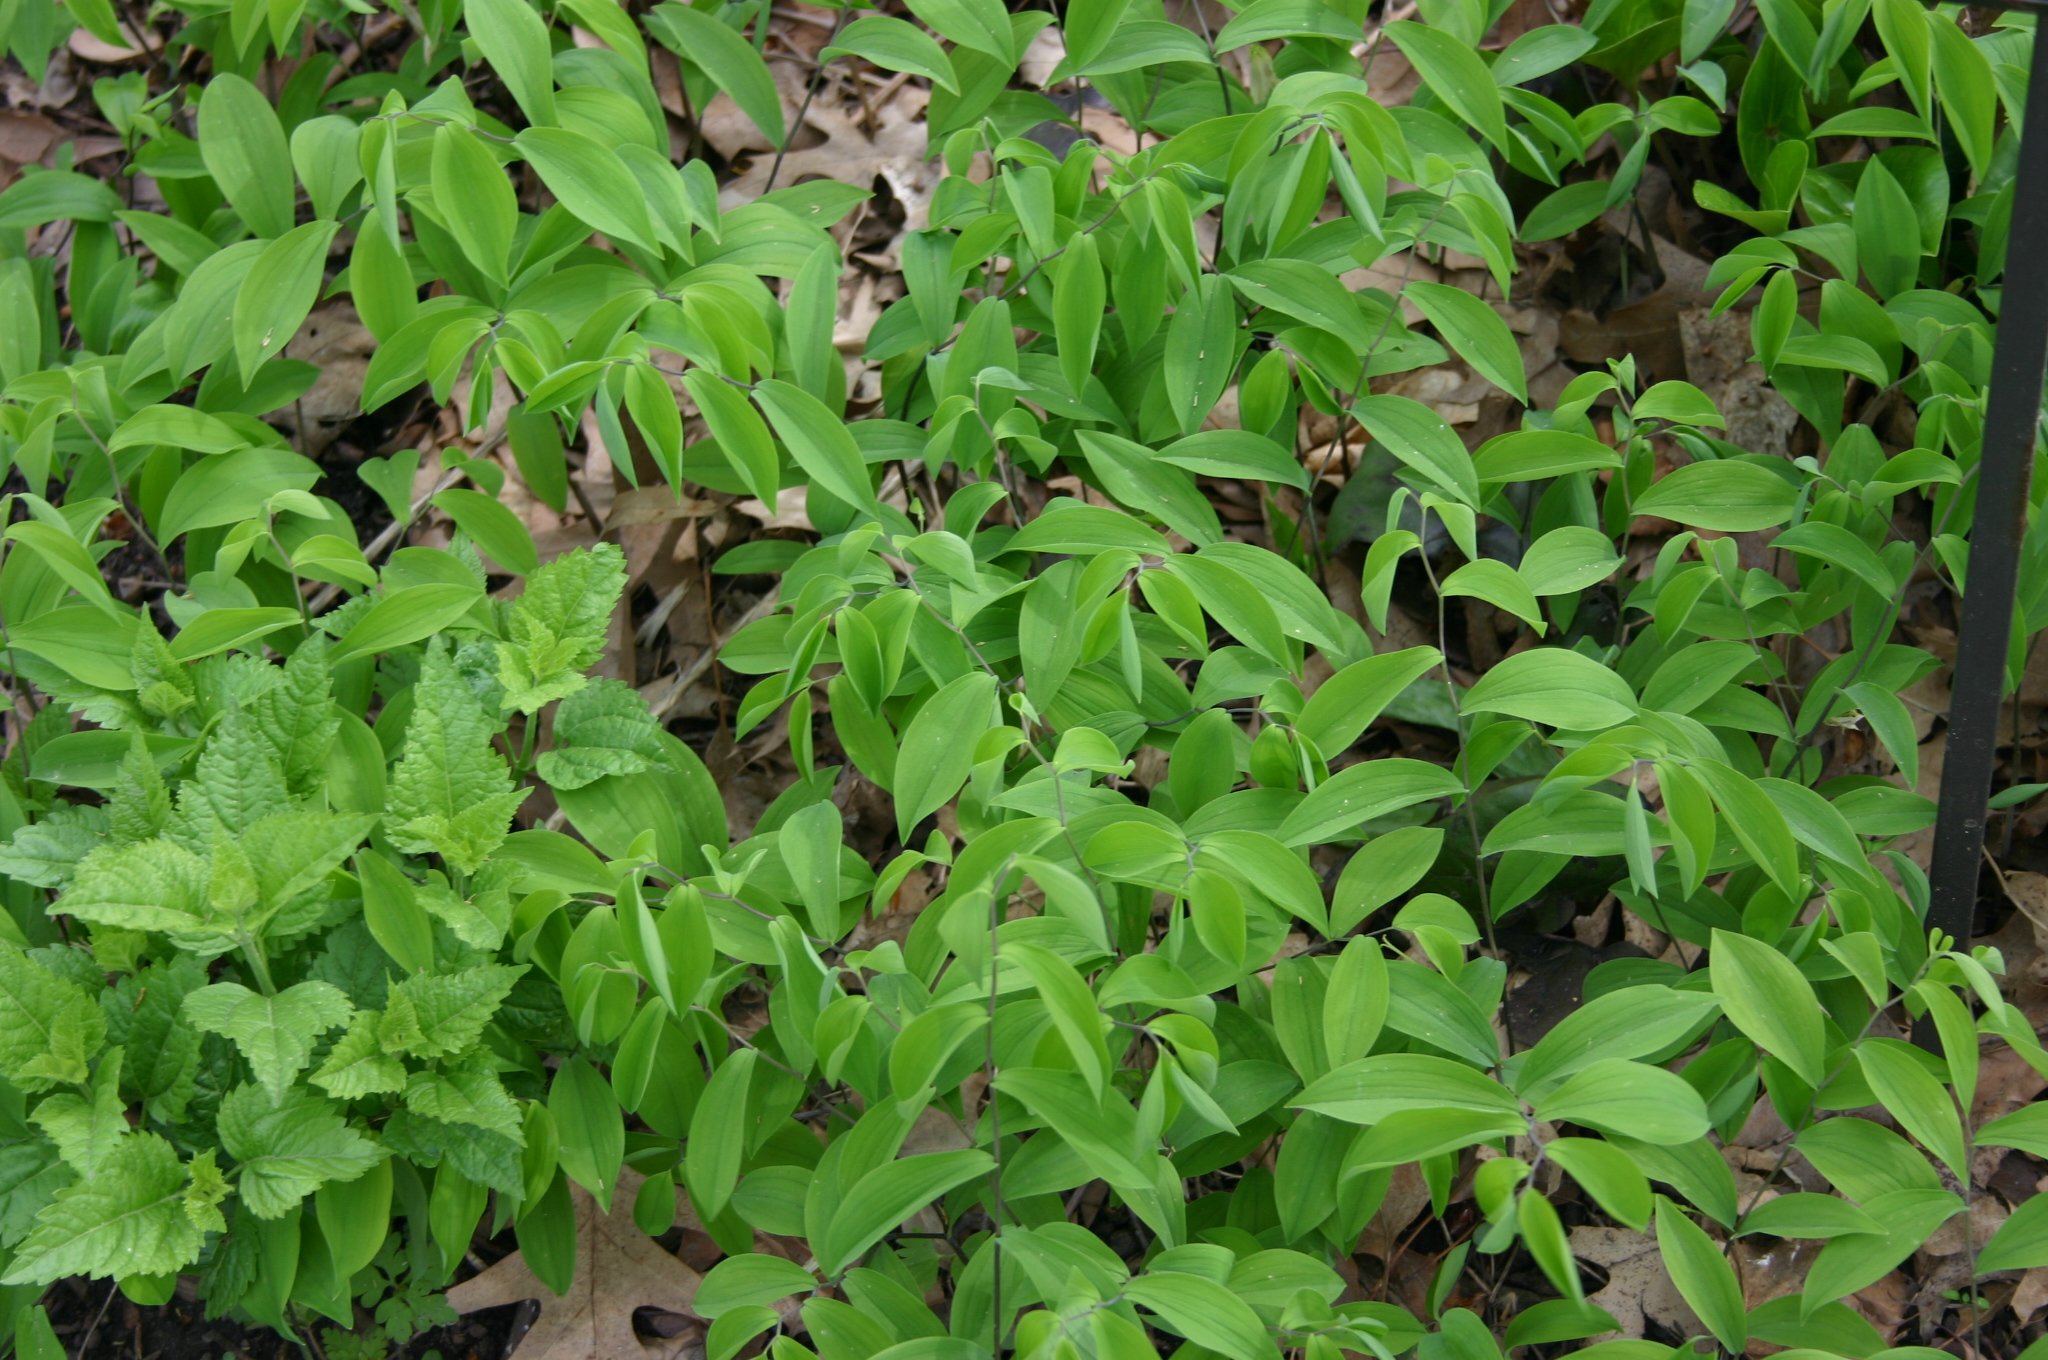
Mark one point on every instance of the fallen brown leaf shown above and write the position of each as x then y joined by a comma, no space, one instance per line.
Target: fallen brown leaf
1638,1286
618,1269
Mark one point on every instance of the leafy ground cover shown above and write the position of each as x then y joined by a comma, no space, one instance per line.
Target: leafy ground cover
1202,680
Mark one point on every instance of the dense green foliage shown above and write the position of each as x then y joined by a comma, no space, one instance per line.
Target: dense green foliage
281,969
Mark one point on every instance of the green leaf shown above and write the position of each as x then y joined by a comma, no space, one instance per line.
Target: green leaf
1968,90
1428,1006
750,1278
980,24
883,1198
1919,1102
1759,826
441,1015
278,292
1500,586
741,433
1634,1022
514,39
1704,1278
1474,330
275,1034
1527,455
894,45
1614,1181
1361,792
1457,75
1369,1090
1849,1263
286,1150
1345,704
1771,1001
1077,310
68,559
557,628
1725,496
1265,20
2021,1242
718,1140
1212,1318
357,1065
592,1129
221,630
1137,478
818,440
1552,685
1309,295
1411,1135
231,487
131,1220
244,149
937,750
1202,344
1568,559
591,181
483,211
1355,1006
1629,1098
496,529
1234,453
1072,1007
1423,440
451,792
1563,211
1809,1216
1383,869
729,59
406,616
393,914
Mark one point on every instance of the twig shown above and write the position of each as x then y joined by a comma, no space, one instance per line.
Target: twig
687,676
810,93
105,1304
387,536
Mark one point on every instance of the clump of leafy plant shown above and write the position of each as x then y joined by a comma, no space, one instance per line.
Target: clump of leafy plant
284,969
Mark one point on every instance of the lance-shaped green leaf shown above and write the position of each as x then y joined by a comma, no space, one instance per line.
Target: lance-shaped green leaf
892,1192
1072,1007
894,45
1422,439
1914,1098
937,750
718,1140
1361,792
1704,1279
1455,72
1212,1318
591,182
729,59
514,39
1474,330
1771,1001
818,440
278,292
1077,310
1556,686
243,145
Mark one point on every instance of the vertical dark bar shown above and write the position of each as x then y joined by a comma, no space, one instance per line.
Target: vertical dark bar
2013,412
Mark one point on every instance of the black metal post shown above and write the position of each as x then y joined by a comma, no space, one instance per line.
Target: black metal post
2012,414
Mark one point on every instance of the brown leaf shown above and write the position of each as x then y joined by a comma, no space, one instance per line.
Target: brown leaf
618,1269
1638,1286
